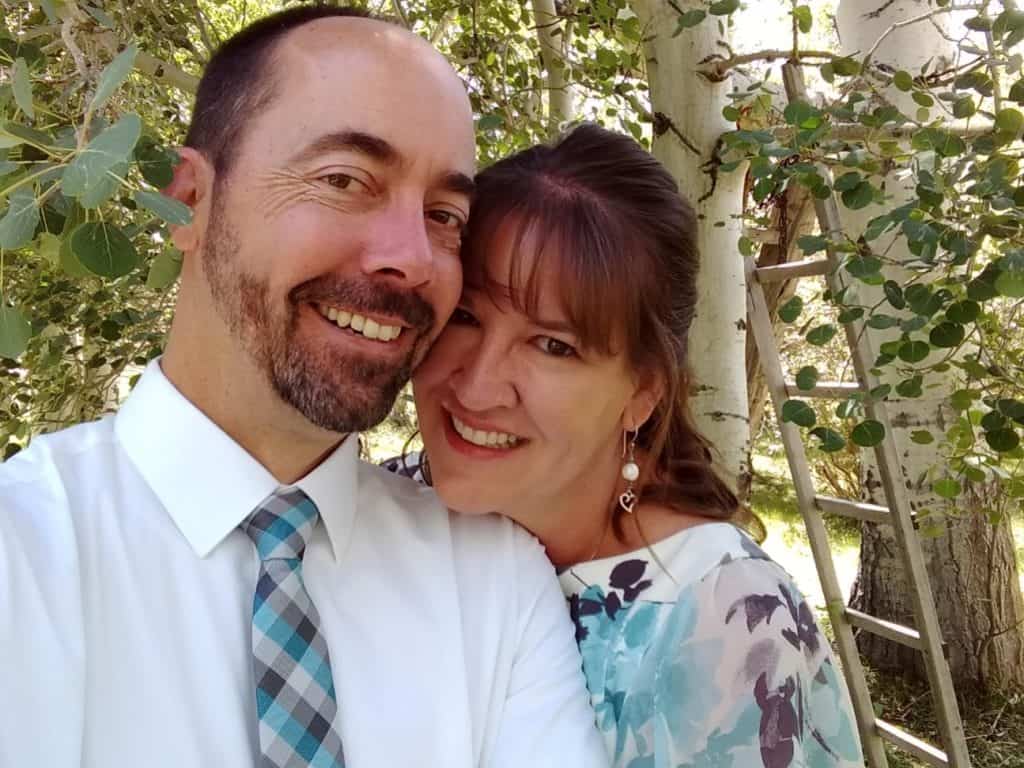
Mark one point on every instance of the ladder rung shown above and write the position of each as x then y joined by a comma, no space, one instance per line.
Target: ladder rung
887,629
915,746
832,390
869,513
792,270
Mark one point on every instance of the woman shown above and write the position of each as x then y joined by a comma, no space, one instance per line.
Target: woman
557,396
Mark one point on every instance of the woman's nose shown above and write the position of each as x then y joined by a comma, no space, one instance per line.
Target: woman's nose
484,381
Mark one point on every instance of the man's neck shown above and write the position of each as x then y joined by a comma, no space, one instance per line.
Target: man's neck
241,404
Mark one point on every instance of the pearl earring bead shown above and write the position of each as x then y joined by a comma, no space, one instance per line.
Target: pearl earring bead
630,471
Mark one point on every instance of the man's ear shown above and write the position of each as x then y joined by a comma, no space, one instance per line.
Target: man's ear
650,389
193,186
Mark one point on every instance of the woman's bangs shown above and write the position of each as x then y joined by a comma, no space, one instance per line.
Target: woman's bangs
570,249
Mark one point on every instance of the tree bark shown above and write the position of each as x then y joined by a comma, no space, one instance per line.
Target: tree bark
687,111
971,562
553,37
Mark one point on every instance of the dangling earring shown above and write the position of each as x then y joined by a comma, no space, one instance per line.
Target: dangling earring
630,471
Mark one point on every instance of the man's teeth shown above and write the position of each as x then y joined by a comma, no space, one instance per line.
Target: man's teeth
371,329
486,439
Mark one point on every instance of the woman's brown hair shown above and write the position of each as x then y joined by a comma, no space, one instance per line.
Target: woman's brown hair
604,215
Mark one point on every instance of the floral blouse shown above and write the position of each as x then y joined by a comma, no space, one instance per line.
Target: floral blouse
714,661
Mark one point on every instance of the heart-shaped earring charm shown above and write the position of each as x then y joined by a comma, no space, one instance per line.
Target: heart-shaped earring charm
627,501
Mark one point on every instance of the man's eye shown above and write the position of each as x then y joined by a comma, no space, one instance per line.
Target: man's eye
555,347
341,181
446,218
463,317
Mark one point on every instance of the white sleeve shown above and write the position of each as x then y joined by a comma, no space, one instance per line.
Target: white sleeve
41,637
547,718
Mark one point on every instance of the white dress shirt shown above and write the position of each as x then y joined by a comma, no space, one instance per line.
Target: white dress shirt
126,593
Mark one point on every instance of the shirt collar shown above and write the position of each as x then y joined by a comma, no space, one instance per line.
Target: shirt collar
206,481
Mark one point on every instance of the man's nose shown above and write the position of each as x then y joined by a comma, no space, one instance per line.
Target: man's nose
399,248
484,380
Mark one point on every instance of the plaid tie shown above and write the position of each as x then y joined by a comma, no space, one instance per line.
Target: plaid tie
294,690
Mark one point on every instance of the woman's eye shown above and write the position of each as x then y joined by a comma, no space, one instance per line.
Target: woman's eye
446,218
555,347
463,317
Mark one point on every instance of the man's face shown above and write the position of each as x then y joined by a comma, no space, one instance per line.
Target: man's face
332,252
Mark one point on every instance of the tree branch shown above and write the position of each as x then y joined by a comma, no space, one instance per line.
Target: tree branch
914,20
157,70
718,69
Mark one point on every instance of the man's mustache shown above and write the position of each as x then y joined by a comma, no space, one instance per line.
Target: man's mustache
365,296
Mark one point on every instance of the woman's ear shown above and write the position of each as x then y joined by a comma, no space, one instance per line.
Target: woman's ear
192,185
649,392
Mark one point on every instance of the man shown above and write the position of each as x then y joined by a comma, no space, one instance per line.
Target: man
210,577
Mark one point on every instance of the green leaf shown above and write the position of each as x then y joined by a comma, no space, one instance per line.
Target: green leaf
868,433
1010,284
103,249
791,310
116,72
804,20
490,122
863,265
110,149
946,335
164,270
802,115
859,197
914,351
947,488
69,261
807,377
156,164
22,84
1009,120
979,23
607,58
881,322
831,441
15,331
18,226
810,244
689,19
963,312
894,294
964,107
845,66
821,335
922,437
923,99
167,208
798,412
724,7
911,387
1017,92
903,80
962,399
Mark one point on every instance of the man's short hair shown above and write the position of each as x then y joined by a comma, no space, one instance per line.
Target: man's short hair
240,81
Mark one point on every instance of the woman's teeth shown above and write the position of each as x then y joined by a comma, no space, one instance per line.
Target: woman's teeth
371,329
485,439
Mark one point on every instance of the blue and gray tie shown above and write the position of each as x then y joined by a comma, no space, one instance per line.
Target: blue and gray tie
295,695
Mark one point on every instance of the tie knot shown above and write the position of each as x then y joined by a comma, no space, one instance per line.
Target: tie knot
281,525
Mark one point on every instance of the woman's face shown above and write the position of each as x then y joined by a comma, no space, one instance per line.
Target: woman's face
514,414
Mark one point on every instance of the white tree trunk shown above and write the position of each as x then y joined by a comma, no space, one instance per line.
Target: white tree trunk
688,122
553,36
971,564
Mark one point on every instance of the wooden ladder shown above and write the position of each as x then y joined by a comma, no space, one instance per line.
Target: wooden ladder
927,637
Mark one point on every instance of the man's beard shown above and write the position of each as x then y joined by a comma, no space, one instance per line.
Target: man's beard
337,392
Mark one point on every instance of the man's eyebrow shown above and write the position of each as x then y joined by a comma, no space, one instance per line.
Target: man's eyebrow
350,141
558,326
459,183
